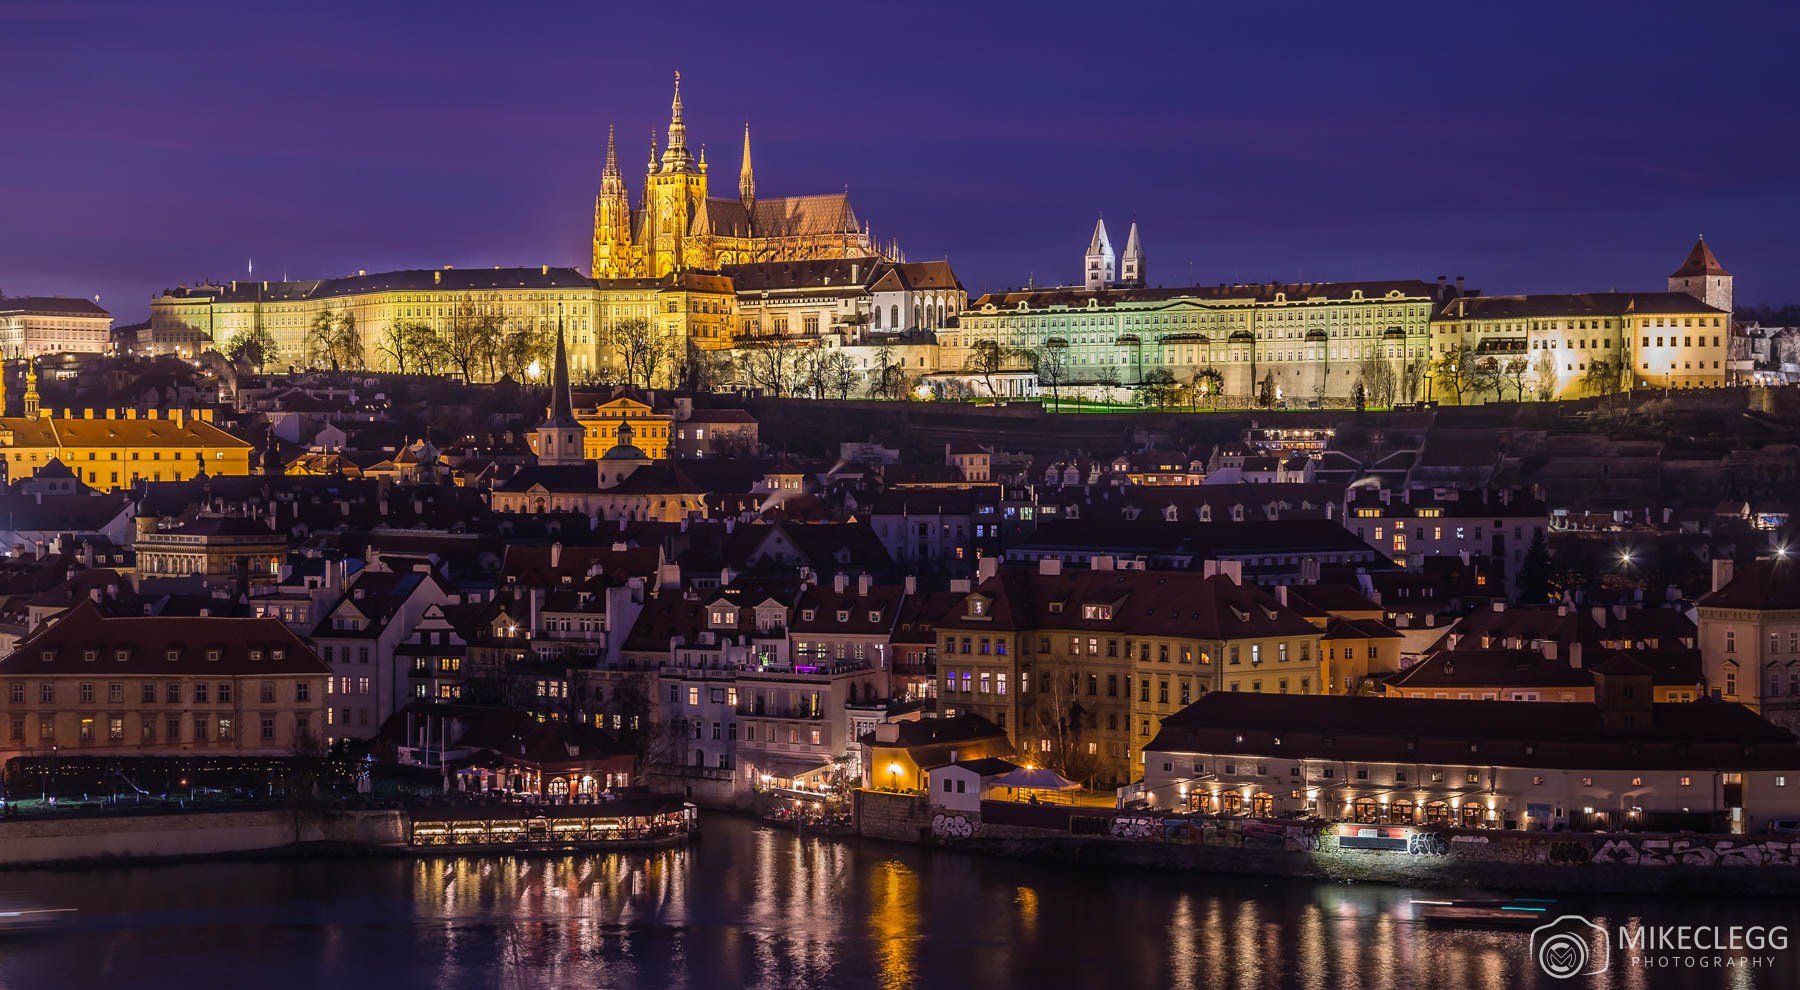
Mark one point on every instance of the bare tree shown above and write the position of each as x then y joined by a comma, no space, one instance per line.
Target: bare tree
1543,376
409,344
1454,370
1052,361
255,347
769,364
1062,719
986,359
1516,370
471,333
1378,379
643,349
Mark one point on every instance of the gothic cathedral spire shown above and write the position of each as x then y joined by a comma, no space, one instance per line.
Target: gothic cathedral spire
612,218
747,176
676,158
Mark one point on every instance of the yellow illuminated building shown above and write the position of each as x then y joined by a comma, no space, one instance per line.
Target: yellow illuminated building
677,226
650,428
109,451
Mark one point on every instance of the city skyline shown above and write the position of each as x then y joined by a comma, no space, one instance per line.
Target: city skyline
150,173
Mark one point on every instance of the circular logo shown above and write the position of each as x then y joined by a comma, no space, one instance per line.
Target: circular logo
1562,955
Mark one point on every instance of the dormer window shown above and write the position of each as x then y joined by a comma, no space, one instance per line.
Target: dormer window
843,615
1100,613
172,655
256,654
807,614
212,655
875,616
278,654
977,606
49,655
90,655
121,655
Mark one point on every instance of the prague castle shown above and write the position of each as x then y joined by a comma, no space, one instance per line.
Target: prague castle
679,226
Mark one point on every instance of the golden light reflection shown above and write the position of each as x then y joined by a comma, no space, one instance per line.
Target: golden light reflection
894,922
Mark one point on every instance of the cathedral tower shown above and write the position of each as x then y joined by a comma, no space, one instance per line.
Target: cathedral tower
613,256
1131,264
1702,277
1099,258
674,194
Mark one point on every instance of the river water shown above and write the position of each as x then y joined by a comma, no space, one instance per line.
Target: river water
759,907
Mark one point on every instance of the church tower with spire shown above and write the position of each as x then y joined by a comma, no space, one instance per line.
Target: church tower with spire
1702,277
747,178
674,194
613,254
561,435
1099,273
1131,263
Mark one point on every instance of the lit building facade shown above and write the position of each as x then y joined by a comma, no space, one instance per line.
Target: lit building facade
679,226
32,326
108,451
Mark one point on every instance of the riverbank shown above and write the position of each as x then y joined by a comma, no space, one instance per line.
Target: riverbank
1525,862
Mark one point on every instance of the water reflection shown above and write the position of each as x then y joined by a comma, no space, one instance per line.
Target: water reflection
757,907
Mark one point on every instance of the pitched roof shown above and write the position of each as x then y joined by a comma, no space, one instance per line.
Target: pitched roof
1074,296
1574,304
51,305
1763,584
149,642
1699,261
1703,734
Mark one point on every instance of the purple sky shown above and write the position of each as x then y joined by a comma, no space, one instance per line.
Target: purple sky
1529,146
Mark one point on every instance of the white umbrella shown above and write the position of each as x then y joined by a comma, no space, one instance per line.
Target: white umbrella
1042,779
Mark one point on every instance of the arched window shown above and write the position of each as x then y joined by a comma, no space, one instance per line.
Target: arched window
1366,810
1231,803
878,317
1402,813
894,317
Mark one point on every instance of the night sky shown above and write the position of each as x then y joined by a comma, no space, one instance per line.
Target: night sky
1528,146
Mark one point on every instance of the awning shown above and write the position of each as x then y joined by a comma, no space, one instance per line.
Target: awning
792,769
1042,779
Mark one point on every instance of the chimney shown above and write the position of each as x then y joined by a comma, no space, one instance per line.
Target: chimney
1721,573
839,582
1459,285
1101,562
1599,614
437,278
987,567
1049,566
556,554
1281,594
911,585
863,583
1575,655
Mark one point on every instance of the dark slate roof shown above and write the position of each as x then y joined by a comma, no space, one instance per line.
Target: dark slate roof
443,279
1074,297
56,305
1700,735
149,640
1762,584
1575,305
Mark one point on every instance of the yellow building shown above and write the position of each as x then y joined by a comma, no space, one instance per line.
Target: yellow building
517,300
1121,650
651,428
678,226
109,450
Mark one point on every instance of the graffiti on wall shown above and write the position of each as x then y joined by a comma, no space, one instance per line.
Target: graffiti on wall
946,826
1134,827
1695,851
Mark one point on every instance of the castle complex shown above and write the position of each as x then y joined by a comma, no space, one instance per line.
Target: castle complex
746,272
679,226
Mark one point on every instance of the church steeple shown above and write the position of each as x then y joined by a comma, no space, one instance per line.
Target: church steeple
1131,263
560,435
747,175
31,392
611,171
677,158
1099,273
612,218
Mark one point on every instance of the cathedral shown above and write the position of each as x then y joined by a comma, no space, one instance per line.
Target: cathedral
678,226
